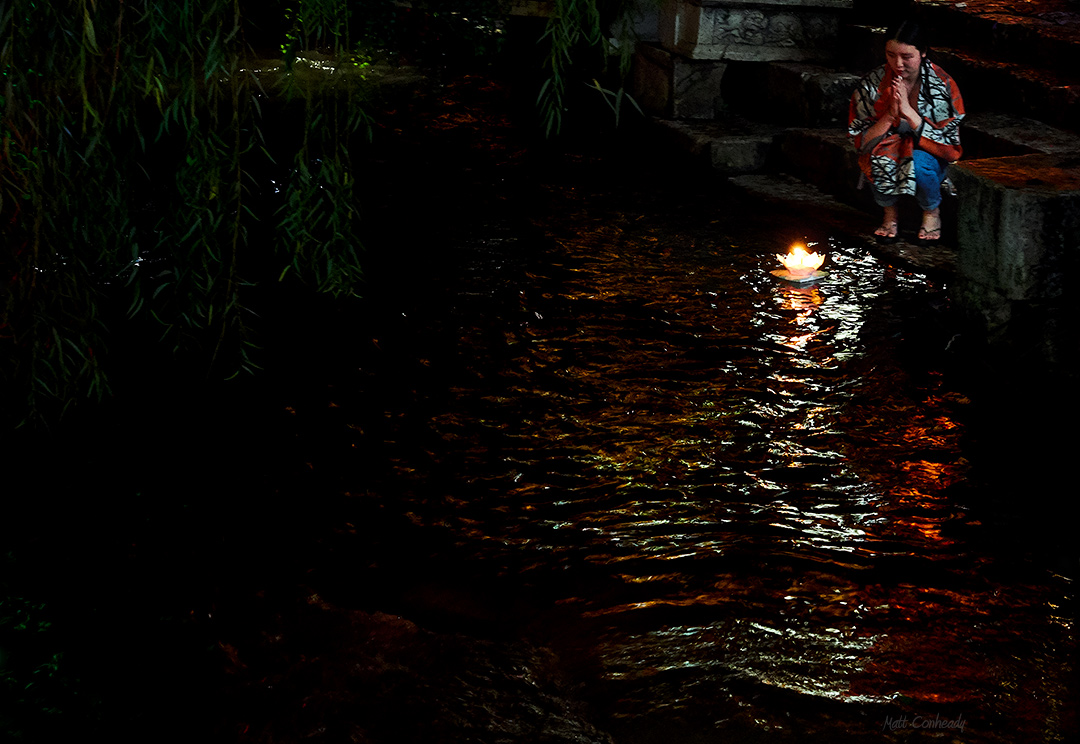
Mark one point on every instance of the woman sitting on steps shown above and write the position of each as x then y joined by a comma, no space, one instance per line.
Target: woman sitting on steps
905,122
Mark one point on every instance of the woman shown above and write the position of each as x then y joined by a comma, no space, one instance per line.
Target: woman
905,121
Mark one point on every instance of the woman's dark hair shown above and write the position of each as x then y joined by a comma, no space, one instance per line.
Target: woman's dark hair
909,32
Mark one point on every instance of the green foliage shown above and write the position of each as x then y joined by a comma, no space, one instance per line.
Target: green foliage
134,172
144,148
36,685
314,24
586,41
573,24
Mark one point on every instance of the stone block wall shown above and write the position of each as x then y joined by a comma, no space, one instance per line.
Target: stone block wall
752,30
671,86
1018,226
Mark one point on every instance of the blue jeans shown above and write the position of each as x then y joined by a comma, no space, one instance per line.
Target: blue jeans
929,173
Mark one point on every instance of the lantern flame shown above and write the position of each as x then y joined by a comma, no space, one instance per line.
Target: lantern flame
800,263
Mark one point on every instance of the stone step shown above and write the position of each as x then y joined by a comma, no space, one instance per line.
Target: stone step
729,144
1023,64
991,85
815,95
802,94
1043,34
816,172
804,199
936,260
994,134
1018,186
824,157
793,94
1018,57
669,85
825,160
1019,218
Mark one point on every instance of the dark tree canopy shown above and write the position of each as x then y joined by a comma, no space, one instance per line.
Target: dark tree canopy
160,158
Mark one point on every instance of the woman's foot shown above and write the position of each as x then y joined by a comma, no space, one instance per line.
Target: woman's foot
888,227
931,226
886,230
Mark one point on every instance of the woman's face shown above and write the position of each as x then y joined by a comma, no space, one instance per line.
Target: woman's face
903,60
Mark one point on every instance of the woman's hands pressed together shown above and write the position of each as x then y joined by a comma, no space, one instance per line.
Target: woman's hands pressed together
901,103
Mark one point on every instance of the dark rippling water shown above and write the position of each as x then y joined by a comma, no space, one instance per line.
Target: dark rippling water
745,504
576,410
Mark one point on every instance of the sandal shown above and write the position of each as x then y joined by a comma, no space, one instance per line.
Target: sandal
887,232
929,234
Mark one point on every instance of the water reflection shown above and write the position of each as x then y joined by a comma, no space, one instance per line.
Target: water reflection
758,485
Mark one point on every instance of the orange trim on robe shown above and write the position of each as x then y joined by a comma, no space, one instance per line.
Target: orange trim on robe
888,162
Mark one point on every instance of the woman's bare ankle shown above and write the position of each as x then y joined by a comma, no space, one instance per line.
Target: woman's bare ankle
931,225
888,226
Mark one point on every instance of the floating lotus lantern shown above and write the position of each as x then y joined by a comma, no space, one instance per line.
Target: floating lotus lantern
800,265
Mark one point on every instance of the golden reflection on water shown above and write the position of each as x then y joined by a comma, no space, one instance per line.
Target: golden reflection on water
747,461
852,653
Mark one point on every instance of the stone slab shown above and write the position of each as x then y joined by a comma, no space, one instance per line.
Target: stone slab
1031,176
1033,32
794,94
801,196
729,145
992,134
825,158
994,85
753,30
1018,229
747,154
669,85
651,79
934,260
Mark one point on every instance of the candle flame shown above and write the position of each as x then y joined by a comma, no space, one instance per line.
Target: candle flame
799,262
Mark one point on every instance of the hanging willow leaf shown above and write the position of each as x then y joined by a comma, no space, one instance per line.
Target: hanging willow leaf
576,36
136,141
88,31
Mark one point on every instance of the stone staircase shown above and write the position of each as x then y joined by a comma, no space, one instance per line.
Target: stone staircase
778,130
767,123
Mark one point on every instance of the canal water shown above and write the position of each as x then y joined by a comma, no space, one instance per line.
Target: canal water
579,468
738,509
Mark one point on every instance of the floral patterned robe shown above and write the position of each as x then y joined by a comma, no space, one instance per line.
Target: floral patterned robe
888,163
